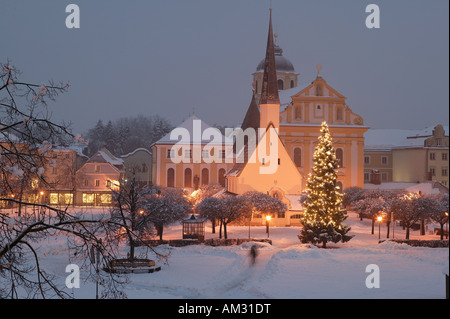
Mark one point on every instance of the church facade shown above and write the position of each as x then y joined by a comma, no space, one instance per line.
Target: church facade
287,119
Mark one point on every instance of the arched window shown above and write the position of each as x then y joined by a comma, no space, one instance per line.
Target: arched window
340,156
205,176
298,113
319,91
222,177
298,157
280,85
170,177
339,115
187,177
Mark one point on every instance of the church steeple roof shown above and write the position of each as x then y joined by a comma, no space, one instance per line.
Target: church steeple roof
269,94
252,116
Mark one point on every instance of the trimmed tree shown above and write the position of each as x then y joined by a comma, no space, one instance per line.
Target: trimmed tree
323,213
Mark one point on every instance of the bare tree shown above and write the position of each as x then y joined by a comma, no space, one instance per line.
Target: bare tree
26,136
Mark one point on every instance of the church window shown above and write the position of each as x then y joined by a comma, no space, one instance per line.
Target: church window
222,177
280,85
187,177
319,91
170,177
298,157
340,157
339,115
298,113
205,176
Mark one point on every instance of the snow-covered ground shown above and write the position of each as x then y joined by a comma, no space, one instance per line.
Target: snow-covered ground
286,269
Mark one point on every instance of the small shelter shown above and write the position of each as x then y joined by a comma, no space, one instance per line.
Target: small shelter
194,228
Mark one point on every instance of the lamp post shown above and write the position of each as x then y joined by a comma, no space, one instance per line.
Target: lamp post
379,218
446,226
268,217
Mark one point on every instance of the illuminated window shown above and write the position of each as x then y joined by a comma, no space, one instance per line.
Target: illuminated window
54,198
88,198
106,198
68,199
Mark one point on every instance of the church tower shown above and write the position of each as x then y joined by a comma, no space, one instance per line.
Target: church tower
269,103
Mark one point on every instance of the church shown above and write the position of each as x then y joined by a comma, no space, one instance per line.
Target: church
287,118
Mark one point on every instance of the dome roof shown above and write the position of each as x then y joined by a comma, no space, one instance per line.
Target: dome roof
282,63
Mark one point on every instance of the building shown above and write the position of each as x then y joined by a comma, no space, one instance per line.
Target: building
188,156
96,178
138,165
58,186
407,156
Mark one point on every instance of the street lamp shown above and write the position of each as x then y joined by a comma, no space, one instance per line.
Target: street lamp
268,217
379,218
446,226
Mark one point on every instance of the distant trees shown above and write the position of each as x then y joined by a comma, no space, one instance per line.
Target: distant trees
408,208
124,135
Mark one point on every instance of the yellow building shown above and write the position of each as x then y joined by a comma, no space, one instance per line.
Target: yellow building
199,159
303,111
407,156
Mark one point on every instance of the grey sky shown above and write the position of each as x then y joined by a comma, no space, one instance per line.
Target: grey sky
170,57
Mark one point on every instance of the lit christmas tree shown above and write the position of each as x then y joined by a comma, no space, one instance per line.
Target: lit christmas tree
323,213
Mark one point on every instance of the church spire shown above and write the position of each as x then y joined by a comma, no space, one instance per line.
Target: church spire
269,94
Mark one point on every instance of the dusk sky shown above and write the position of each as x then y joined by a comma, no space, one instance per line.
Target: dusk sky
175,57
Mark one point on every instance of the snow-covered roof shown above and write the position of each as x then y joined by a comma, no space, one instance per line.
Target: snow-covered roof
135,151
189,126
391,138
104,156
294,201
427,188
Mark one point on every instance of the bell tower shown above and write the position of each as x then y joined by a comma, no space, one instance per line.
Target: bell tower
269,103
